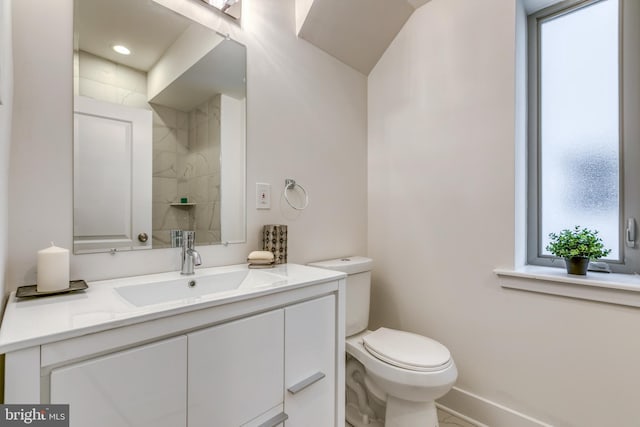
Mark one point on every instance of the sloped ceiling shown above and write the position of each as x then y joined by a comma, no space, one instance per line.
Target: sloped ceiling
357,32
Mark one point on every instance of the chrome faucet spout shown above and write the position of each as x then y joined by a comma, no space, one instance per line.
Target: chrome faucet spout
197,261
190,257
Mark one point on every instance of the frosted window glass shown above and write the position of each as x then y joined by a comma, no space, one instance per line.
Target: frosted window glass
579,137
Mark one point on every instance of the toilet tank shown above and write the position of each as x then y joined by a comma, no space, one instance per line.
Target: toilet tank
358,289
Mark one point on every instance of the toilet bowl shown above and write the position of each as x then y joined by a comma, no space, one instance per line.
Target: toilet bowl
405,370
405,383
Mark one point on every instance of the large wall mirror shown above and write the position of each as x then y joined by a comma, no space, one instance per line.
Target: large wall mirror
159,129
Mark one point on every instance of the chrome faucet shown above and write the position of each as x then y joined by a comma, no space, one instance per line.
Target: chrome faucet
190,257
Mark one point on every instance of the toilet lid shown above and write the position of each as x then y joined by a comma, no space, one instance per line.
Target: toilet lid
406,350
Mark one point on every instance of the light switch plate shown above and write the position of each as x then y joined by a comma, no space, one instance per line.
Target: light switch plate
263,195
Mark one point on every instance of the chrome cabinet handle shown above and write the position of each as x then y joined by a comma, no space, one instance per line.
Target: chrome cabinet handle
273,422
306,383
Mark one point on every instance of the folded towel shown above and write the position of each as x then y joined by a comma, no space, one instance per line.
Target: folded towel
260,256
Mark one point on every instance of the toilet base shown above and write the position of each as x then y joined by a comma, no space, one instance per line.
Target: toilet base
356,419
403,413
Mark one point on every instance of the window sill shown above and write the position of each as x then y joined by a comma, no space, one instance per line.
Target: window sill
612,288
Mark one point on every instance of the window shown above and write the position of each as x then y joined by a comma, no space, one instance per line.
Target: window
581,169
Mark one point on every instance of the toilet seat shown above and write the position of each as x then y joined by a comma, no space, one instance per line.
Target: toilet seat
407,350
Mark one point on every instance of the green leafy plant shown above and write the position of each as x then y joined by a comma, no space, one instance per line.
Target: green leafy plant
579,242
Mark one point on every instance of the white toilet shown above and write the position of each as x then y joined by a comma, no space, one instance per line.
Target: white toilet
404,371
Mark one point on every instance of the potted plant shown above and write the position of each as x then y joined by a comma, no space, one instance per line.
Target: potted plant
577,247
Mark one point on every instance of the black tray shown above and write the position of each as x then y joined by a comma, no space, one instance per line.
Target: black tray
30,291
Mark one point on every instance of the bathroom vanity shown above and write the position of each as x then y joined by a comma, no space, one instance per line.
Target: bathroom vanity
227,346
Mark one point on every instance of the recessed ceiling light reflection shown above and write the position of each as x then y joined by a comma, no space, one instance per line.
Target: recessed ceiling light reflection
122,50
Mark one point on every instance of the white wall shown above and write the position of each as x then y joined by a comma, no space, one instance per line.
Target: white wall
6,99
302,9
441,218
193,44
306,117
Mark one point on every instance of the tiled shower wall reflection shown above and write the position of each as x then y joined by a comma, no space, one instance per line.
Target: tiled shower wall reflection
170,149
186,149
203,161
186,165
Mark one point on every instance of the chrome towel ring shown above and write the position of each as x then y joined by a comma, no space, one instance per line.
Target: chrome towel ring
290,184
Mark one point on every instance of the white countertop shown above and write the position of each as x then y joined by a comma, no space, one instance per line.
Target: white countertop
36,321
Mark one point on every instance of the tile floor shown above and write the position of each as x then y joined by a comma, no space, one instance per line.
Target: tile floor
447,420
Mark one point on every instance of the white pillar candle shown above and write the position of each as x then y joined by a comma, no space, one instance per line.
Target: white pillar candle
53,269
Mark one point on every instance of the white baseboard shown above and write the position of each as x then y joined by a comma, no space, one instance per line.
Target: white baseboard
483,412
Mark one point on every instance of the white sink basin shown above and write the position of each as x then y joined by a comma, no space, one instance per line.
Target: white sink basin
197,286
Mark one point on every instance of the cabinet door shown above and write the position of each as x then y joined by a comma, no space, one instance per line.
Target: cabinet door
236,370
310,357
142,387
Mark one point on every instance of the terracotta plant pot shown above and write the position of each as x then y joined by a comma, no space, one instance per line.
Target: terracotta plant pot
577,265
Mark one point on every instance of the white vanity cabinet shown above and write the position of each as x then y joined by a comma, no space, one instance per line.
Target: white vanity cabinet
271,358
144,386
